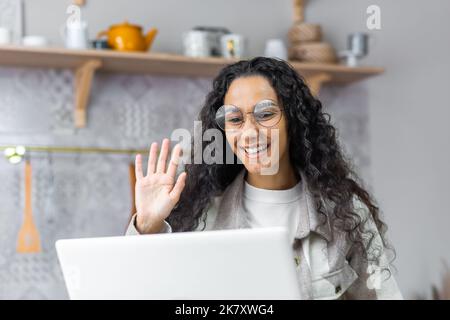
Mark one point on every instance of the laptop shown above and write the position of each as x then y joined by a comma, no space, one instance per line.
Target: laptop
255,263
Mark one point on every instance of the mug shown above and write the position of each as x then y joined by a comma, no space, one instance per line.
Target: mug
34,41
233,45
100,44
275,48
358,44
5,36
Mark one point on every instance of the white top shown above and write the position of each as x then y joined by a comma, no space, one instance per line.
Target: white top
273,208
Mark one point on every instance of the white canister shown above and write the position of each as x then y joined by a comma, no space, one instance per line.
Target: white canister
233,45
196,43
5,36
275,48
75,35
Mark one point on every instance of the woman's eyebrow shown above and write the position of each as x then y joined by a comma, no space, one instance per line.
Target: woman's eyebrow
259,102
266,101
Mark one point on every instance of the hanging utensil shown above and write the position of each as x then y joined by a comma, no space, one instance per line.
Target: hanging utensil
132,178
28,240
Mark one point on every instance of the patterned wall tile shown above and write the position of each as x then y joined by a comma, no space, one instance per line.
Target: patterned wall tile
85,195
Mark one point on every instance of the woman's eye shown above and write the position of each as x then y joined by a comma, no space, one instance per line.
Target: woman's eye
264,115
234,120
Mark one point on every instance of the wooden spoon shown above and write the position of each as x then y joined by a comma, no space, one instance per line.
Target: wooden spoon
132,178
28,240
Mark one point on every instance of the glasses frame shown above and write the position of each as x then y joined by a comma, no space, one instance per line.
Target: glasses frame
245,114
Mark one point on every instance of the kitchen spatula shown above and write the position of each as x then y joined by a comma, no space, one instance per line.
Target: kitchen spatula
28,240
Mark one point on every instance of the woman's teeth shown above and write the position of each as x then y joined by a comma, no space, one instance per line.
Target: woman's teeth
255,150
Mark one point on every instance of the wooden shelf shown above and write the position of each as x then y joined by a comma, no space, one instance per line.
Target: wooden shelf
112,61
87,62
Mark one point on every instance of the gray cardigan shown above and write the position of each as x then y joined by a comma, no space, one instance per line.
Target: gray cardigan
325,266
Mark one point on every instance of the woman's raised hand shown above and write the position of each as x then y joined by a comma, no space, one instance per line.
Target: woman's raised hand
157,193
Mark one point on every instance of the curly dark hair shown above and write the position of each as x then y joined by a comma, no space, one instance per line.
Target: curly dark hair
313,148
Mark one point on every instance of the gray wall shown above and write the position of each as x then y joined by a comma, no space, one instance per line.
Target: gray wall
401,154
270,19
410,135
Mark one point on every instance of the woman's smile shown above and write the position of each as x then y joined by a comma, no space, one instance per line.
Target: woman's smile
255,151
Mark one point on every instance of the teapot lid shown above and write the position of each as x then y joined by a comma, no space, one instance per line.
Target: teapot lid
125,24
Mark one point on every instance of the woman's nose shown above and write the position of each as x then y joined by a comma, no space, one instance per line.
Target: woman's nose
249,123
249,131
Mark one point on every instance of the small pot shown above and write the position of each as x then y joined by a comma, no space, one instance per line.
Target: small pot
100,44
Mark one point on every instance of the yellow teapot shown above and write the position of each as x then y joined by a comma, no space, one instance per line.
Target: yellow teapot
128,37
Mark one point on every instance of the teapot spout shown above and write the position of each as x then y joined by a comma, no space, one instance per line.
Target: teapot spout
150,37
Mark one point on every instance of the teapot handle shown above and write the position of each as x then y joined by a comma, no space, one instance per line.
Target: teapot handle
151,34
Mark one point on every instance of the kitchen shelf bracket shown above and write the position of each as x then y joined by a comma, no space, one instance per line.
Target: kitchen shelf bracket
83,83
316,81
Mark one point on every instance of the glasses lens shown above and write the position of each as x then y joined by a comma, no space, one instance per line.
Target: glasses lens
229,117
267,113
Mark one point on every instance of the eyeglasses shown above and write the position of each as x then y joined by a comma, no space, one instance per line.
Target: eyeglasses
266,113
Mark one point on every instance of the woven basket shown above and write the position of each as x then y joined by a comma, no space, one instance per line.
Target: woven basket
305,32
313,52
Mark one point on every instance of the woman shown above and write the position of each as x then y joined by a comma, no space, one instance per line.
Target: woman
290,172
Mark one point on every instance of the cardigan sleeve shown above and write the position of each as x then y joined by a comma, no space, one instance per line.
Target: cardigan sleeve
132,230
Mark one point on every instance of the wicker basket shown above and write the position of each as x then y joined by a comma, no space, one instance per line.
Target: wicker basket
313,52
305,32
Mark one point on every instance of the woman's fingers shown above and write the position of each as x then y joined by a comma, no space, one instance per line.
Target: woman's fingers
152,158
174,161
138,167
161,166
178,188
